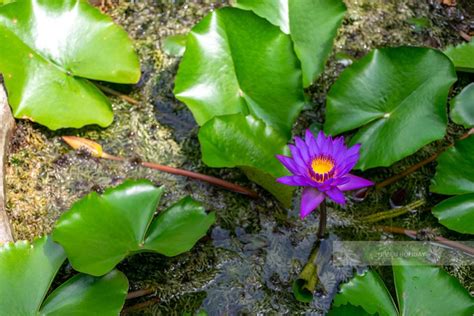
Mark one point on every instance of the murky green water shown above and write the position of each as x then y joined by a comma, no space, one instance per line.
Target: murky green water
257,248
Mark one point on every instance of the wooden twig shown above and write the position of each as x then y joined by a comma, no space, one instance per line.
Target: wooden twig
413,234
7,125
95,150
117,94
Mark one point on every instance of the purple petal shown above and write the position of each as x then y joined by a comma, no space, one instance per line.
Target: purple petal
353,150
289,164
296,181
321,141
311,143
301,145
310,200
295,152
336,195
354,183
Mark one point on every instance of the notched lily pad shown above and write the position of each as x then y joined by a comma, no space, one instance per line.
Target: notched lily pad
28,271
421,289
48,50
120,222
228,68
397,99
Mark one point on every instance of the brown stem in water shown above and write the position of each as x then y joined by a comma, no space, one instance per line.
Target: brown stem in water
413,234
95,150
193,175
117,94
418,165
140,293
140,306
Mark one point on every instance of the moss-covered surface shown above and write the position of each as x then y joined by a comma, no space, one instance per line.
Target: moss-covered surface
248,261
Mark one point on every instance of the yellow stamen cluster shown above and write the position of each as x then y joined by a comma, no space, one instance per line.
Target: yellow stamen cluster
322,167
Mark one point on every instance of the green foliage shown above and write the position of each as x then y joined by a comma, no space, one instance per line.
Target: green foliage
455,176
48,51
245,96
120,222
462,56
28,271
462,107
397,99
454,172
224,139
312,25
227,69
457,213
421,289
175,45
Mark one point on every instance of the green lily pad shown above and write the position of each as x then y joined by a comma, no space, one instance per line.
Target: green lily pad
455,172
245,141
312,25
120,223
175,45
397,97
462,107
48,50
462,56
228,68
28,271
369,292
457,213
421,289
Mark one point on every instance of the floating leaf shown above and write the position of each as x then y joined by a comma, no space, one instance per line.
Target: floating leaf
244,141
457,213
175,45
120,222
312,25
421,290
455,172
397,96
28,271
368,291
462,56
228,68
49,48
462,107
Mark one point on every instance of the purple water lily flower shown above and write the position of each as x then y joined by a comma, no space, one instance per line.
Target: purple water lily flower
321,165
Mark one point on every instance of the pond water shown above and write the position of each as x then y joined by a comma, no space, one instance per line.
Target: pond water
249,259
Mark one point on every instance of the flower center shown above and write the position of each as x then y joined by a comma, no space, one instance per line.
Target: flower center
322,168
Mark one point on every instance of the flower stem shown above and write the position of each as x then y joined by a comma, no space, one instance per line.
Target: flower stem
117,94
322,220
420,164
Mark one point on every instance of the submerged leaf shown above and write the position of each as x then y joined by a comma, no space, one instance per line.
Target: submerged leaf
462,107
246,142
28,271
175,45
120,222
228,68
312,25
48,50
397,97
462,56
